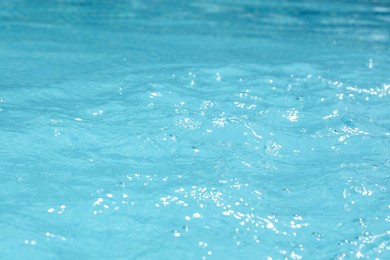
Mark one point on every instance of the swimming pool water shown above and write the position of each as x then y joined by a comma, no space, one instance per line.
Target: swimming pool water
194,129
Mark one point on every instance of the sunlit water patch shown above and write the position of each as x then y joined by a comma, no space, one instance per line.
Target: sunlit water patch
194,130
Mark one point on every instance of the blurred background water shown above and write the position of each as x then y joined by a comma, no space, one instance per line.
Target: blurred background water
194,129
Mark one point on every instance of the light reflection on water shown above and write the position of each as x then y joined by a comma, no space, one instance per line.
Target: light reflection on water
194,130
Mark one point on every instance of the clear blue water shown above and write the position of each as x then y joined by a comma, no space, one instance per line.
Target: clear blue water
194,129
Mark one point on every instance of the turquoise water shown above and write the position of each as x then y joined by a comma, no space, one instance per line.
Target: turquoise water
194,129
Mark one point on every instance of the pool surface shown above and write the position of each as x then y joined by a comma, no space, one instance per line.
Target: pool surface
194,129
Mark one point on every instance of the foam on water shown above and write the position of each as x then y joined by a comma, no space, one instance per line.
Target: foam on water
194,129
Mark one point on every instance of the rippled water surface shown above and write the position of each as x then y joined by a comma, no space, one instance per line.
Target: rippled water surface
194,129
